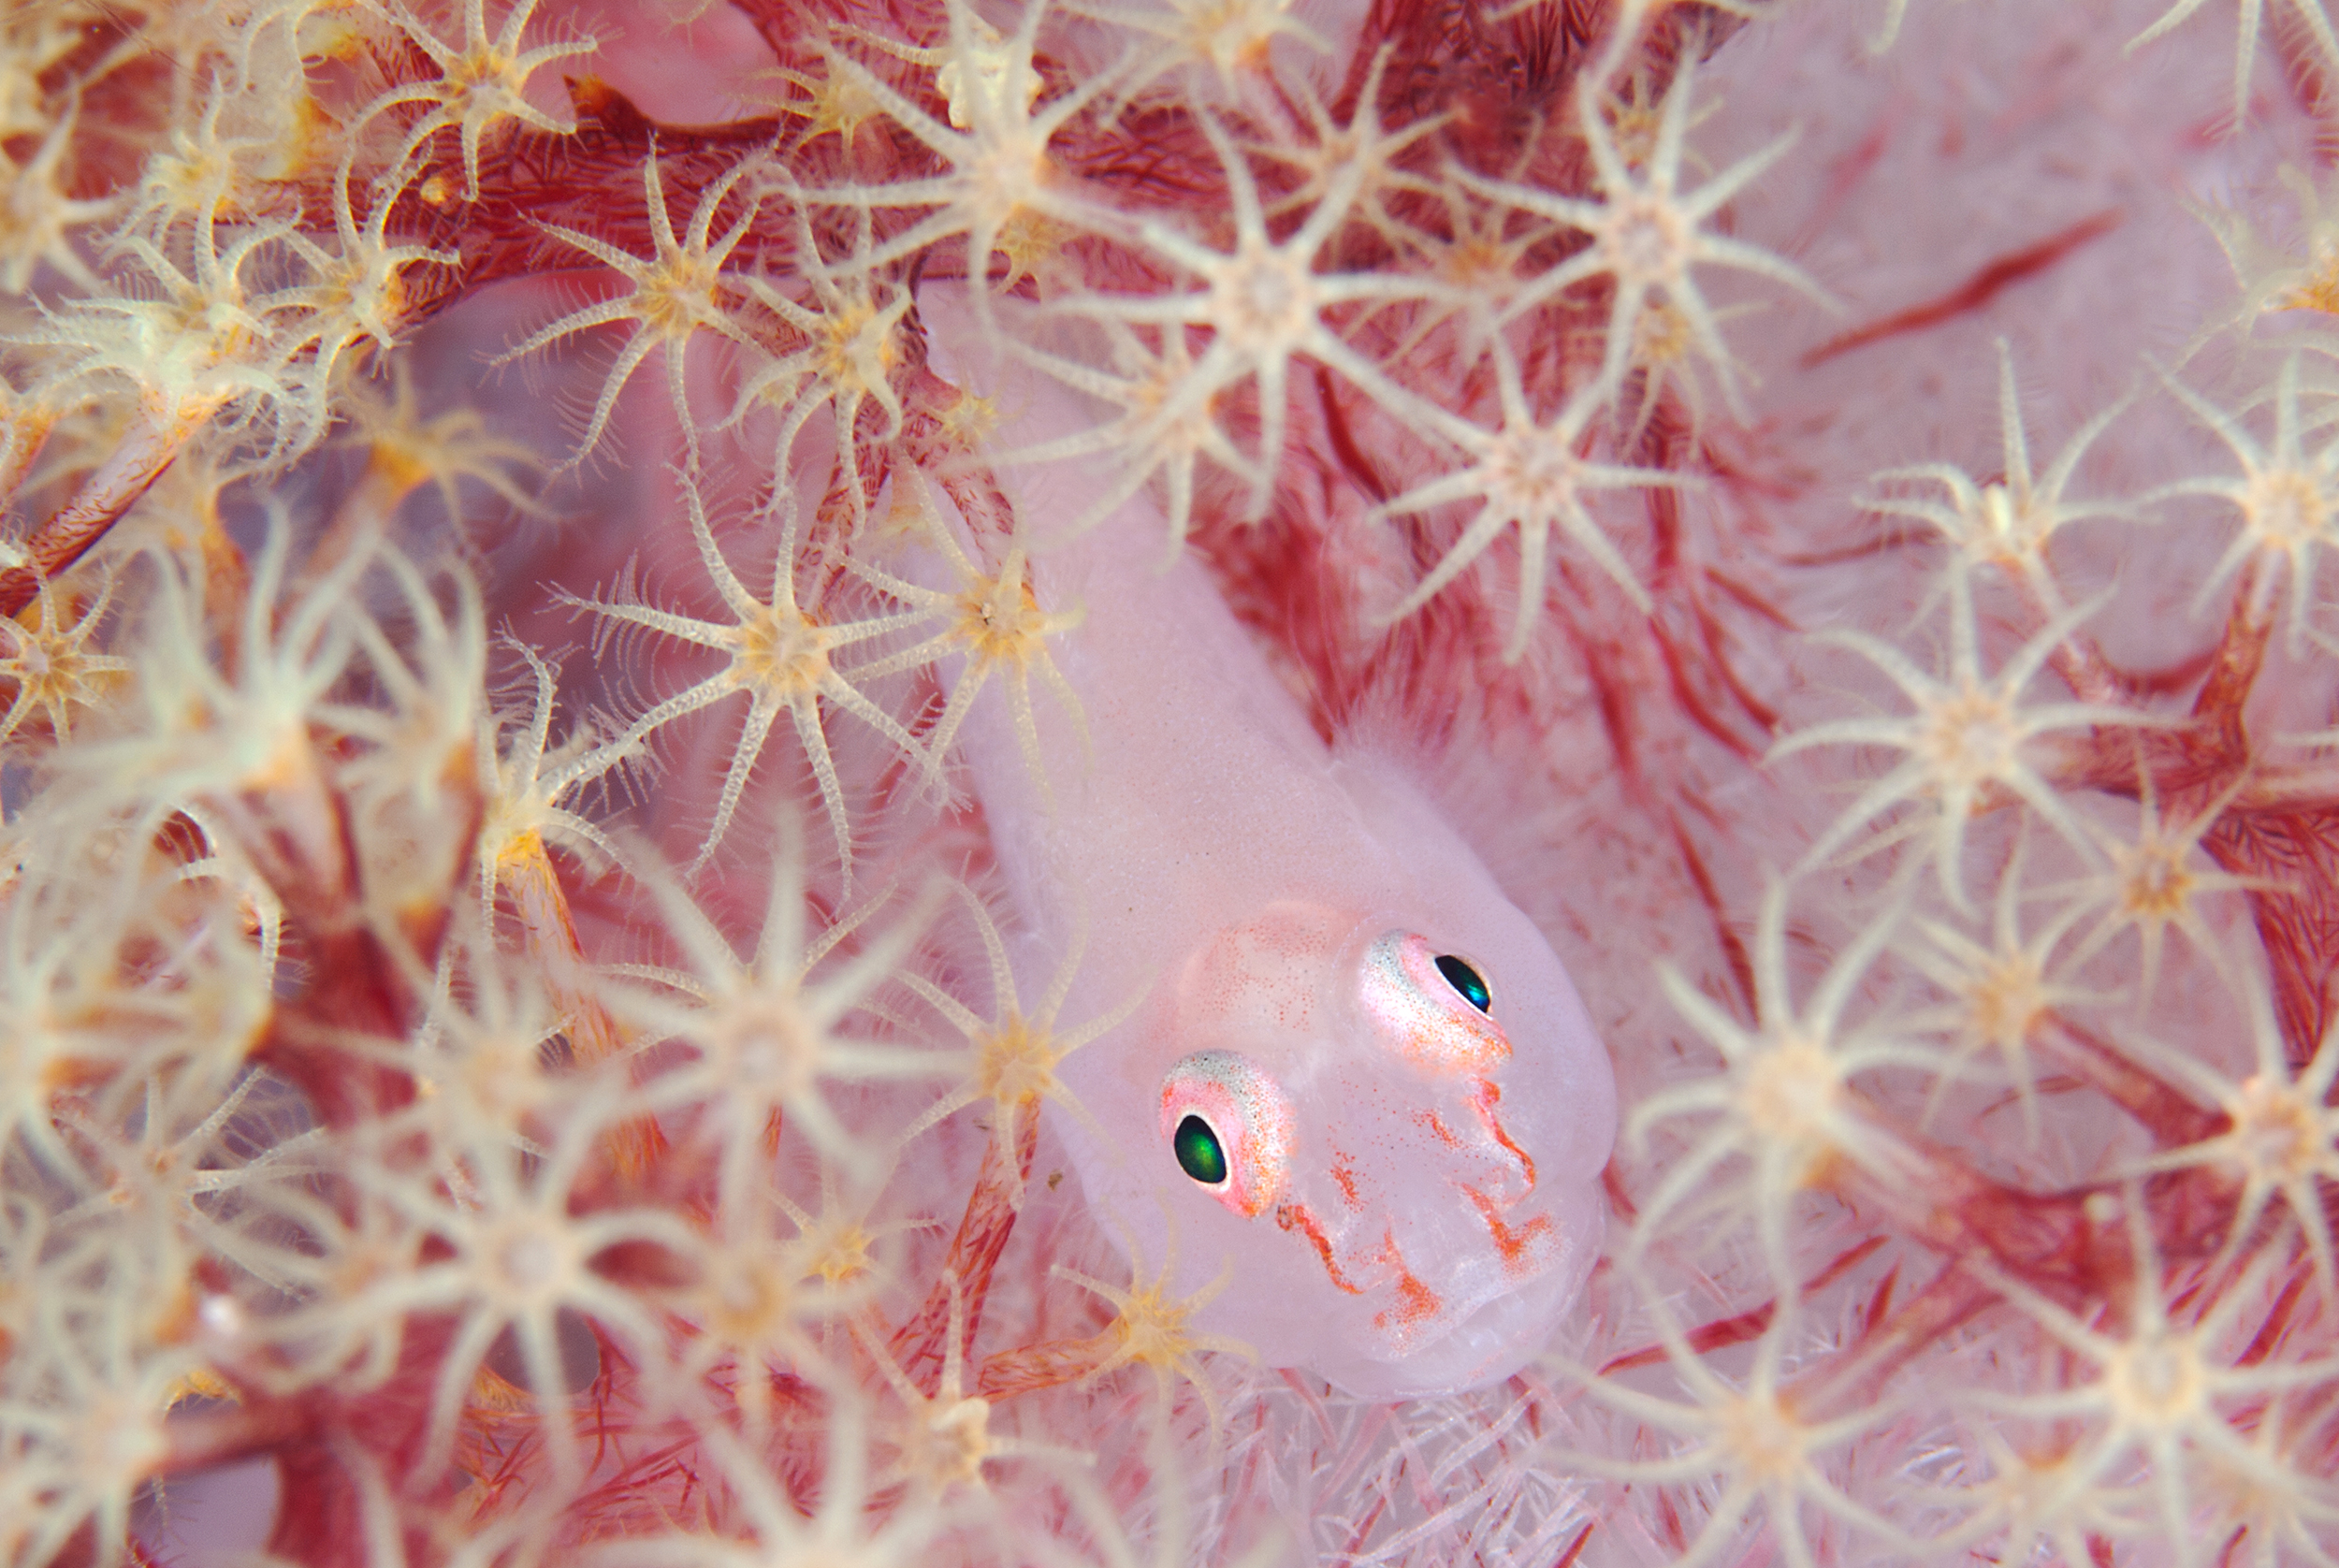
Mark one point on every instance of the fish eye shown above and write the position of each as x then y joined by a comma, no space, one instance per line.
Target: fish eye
1199,1153
1230,1127
1434,1009
1467,982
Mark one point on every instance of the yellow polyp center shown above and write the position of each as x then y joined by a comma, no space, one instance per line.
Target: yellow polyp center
1532,470
1479,265
1001,623
1150,1328
678,295
844,1256
2157,887
1148,401
749,1300
1003,175
1788,1093
398,466
191,179
1968,739
484,69
1015,1064
1265,300
839,103
960,1433
2006,1000
2275,1127
1028,241
529,1263
2320,292
288,767
1644,242
2287,508
971,419
858,351
781,654
2012,532
768,1045
2155,1384
504,1074
1767,1443
1233,34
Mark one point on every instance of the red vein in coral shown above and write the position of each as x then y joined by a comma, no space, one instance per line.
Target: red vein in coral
1976,291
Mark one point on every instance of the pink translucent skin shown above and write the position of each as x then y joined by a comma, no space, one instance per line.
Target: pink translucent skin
1218,859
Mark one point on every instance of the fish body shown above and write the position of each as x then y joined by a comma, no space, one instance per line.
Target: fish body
1357,1079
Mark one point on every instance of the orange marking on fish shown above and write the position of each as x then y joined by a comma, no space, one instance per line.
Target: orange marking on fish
1295,1217
1417,1303
1344,1177
1487,1097
1436,1123
1513,1244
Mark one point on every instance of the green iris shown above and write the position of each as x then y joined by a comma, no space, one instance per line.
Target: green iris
1198,1153
1464,979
